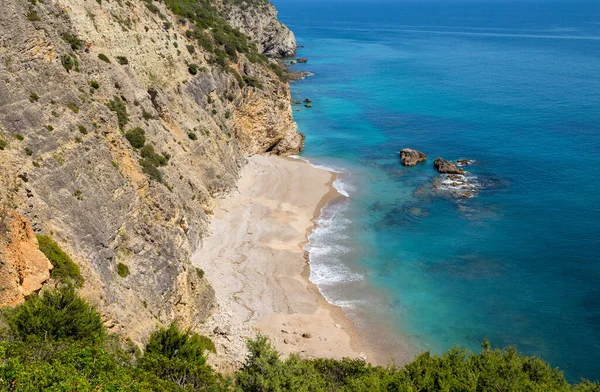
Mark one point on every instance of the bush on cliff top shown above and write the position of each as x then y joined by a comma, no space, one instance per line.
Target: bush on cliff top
56,341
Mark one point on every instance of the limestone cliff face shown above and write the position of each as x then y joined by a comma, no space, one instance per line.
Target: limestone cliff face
81,181
258,20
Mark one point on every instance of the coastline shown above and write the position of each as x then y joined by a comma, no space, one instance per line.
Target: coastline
256,262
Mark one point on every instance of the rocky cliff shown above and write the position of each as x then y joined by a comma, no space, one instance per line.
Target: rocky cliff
258,20
121,121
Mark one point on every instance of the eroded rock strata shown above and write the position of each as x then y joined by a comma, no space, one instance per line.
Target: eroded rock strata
121,122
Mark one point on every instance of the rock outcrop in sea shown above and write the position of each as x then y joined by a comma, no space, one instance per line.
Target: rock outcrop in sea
446,167
410,157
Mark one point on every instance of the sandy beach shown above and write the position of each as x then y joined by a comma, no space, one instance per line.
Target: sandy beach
256,262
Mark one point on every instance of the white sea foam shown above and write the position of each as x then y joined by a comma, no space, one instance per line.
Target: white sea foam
343,187
326,251
323,167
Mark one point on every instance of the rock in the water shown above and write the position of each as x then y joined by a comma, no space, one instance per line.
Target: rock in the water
302,60
457,185
307,100
308,105
410,157
446,167
464,162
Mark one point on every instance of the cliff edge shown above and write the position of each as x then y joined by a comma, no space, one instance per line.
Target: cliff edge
120,123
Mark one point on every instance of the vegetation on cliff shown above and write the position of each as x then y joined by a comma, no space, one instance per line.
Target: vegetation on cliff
56,341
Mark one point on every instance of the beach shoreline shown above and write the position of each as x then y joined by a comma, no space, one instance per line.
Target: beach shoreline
256,261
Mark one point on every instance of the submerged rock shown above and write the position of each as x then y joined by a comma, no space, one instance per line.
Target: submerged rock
302,60
446,167
410,157
457,185
307,100
308,105
464,162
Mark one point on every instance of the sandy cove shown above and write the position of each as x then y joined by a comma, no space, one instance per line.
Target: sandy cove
256,263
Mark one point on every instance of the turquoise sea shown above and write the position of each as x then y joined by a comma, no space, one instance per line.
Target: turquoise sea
513,85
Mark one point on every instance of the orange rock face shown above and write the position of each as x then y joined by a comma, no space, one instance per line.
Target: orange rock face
23,267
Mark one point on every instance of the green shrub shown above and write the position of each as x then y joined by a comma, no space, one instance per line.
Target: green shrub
67,62
200,272
32,15
252,82
191,48
136,137
3,144
28,151
19,137
104,58
94,84
192,135
122,270
151,156
192,69
72,40
73,106
33,97
151,170
65,269
122,60
154,9
118,106
179,357
83,130
50,128
56,315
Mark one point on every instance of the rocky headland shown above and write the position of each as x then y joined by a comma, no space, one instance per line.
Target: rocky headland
121,124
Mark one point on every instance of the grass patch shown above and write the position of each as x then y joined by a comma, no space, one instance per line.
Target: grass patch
65,270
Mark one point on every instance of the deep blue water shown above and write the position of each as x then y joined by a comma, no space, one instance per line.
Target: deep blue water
514,85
